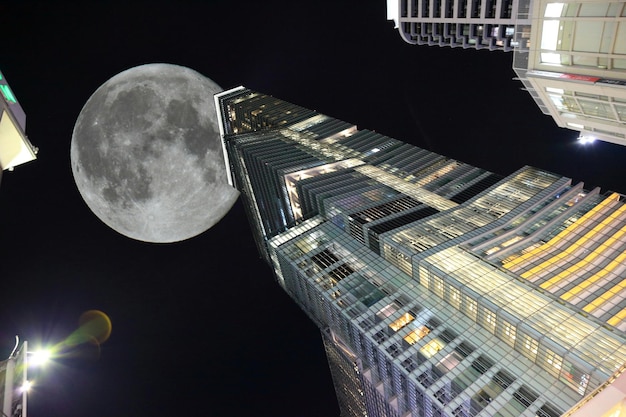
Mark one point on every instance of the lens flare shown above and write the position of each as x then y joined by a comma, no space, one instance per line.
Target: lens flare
94,327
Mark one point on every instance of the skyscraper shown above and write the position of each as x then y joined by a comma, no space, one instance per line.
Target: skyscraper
570,55
15,148
440,289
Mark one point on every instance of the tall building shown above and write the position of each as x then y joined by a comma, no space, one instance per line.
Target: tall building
440,289
570,55
15,148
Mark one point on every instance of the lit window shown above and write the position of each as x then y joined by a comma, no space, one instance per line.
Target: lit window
416,335
490,317
554,10
511,241
405,319
509,330
555,90
554,359
550,58
431,348
550,35
492,250
531,344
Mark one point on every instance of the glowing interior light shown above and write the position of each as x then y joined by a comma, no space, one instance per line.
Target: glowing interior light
550,35
554,10
40,357
576,125
375,150
555,90
550,58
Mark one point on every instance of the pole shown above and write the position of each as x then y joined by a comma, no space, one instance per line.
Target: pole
24,353
8,387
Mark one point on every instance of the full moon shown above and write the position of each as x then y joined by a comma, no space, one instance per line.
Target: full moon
146,154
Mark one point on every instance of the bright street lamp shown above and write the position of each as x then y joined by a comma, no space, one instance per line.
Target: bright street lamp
14,370
39,357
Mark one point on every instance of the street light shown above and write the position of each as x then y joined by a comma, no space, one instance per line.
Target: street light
15,370
39,357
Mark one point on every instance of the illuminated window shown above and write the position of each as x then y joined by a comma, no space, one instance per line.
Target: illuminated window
492,250
555,90
455,297
530,347
554,10
405,319
489,320
431,348
550,34
550,58
509,331
416,335
511,241
437,286
554,362
471,307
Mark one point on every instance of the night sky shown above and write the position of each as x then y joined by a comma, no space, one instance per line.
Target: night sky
199,327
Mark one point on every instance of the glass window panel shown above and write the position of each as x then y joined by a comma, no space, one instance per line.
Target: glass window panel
594,108
607,37
432,347
619,63
575,377
416,335
620,38
528,346
585,61
571,9
470,307
593,9
565,103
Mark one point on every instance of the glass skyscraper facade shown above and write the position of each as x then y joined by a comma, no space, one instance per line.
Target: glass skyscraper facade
440,289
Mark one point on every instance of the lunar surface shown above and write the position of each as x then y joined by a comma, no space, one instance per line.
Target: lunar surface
146,154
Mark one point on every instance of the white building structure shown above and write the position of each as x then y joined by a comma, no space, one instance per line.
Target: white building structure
570,55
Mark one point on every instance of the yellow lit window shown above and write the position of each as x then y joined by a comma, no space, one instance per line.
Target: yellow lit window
416,335
509,330
531,344
405,319
492,250
432,347
511,241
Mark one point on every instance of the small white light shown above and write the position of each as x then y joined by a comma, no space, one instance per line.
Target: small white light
375,150
555,90
26,387
584,140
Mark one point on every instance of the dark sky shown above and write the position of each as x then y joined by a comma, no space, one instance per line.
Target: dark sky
200,327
